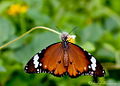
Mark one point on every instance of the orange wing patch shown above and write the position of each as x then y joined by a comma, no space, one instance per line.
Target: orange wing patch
53,59
78,60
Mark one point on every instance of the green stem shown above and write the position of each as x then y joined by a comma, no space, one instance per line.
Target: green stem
39,27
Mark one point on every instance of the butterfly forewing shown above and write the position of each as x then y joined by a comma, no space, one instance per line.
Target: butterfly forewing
34,65
78,60
53,59
82,62
49,60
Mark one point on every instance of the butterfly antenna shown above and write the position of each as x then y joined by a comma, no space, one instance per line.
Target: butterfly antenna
73,29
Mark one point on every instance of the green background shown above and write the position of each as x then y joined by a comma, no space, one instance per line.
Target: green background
98,31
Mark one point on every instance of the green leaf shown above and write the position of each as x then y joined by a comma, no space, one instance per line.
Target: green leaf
2,69
110,24
43,40
38,17
88,46
7,29
109,47
17,43
4,5
92,33
39,42
117,41
106,54
115,5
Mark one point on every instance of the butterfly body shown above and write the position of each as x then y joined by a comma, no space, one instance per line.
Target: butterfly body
64,58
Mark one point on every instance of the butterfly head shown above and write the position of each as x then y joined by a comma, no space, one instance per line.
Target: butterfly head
66,37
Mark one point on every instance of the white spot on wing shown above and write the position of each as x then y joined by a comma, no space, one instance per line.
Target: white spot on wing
89,54
83,50
37,69
92,73
89,66
26,68
36,57
93,65
40,64
93,60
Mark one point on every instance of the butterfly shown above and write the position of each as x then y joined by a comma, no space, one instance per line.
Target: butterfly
65,58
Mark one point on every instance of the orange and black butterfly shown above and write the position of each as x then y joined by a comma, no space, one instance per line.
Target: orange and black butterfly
65,58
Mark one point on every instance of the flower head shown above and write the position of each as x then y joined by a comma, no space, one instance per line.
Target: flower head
17,9
71,38
66,37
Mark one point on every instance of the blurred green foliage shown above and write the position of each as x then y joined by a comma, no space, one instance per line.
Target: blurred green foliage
98,23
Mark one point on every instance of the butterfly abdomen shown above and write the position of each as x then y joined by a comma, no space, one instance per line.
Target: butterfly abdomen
66,59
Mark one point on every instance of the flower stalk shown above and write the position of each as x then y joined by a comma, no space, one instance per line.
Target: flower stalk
38,27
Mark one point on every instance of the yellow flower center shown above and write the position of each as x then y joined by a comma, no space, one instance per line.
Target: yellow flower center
71,38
